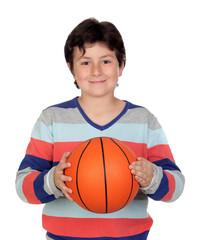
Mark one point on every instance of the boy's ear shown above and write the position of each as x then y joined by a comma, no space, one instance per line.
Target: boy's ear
68,64
121,69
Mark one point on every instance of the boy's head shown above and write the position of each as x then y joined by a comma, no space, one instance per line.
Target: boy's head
92,31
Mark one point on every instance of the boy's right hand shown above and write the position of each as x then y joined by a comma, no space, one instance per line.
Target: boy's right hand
60,178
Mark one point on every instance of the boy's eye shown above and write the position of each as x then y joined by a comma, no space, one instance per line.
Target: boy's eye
106,61
85,63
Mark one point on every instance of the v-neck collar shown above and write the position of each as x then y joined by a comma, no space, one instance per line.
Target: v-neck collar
100,127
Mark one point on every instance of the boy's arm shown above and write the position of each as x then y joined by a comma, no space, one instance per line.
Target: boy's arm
162,178
35,176
168,181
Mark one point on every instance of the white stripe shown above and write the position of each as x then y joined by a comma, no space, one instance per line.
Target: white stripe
62,207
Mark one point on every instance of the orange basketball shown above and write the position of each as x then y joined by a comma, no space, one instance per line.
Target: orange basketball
101,178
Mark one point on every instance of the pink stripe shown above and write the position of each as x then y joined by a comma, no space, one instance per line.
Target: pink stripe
61,147
93,227
40,149
140,149
171,184
28,188
159,152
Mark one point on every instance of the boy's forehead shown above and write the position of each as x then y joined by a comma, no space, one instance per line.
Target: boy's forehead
92,48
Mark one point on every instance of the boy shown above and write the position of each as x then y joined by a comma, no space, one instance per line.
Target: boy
95,54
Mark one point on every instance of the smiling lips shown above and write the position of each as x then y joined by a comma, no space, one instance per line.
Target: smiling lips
97,82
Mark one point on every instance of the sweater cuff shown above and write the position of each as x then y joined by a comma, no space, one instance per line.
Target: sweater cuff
49,184
156,180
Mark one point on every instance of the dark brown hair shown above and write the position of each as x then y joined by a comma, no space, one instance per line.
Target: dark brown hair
91,31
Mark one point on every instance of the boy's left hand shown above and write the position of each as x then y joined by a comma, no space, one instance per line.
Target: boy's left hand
143,171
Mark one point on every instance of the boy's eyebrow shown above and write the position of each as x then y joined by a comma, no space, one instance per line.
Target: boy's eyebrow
85,57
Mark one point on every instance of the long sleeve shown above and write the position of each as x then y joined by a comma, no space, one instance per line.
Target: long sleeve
35,180
168,182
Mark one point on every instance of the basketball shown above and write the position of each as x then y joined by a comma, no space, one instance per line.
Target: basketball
101,178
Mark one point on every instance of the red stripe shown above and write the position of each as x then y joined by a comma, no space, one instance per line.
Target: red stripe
159,152
93,227
28,188
140,149
40,149
171,184
61,147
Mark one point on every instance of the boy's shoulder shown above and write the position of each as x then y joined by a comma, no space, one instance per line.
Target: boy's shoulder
132,106
137,109
65,112
140,114
67,104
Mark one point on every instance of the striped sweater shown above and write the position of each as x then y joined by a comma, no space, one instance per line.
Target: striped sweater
60,128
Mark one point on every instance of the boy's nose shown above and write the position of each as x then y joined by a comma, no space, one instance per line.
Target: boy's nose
96,70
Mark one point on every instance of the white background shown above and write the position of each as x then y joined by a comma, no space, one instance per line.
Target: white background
163,71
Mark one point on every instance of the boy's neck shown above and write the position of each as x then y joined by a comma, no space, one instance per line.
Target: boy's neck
101,110
97,105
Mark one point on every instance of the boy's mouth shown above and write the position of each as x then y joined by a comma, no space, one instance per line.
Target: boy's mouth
98,82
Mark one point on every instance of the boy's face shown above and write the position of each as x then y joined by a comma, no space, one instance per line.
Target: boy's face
97,71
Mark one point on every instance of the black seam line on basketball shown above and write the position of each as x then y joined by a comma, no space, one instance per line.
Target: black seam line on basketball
129,164
106,200
77,175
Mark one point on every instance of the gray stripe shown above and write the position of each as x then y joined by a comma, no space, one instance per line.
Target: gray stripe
140,116
158,175
61,115
49,184
23,172
73,116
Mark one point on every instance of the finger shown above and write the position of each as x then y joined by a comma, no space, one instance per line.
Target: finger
65,157
137,163
67,191
141,175
140,180
64,178
62,166
138,168
68,197
133,164
65,165
64,188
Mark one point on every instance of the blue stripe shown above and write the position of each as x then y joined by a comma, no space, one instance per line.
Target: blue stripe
131,105
39,190
64,208
162,190
35,163
73,103
167,164
141,236
68,104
